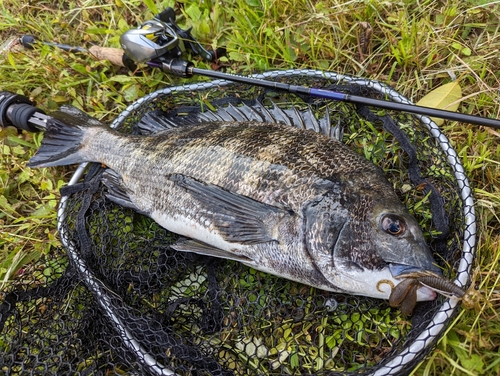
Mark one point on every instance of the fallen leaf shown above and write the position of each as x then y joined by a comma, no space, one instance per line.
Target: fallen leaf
444,97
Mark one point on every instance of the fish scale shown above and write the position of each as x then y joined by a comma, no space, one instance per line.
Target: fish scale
211,157
279,198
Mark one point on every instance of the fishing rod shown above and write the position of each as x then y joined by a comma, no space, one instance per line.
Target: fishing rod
157,38
186,69
113,55
159,43
144,44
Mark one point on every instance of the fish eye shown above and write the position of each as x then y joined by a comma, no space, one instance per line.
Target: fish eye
393,225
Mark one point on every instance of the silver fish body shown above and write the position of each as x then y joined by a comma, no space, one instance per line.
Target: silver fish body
287,201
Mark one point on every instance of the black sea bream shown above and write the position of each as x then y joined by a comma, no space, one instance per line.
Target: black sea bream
283,200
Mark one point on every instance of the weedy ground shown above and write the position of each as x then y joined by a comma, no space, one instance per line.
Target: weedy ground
414,46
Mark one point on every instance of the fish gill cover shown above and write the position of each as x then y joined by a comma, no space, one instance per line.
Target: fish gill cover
118,299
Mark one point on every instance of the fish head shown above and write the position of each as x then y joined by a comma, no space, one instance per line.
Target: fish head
367,244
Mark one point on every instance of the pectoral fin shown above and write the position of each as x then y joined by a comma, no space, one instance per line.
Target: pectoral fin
237,218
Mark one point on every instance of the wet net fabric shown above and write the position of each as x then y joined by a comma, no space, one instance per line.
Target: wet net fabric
118,300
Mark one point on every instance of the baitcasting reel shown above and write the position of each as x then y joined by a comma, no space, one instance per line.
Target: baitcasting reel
161,38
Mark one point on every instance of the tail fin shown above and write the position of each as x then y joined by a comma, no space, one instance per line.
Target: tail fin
62,141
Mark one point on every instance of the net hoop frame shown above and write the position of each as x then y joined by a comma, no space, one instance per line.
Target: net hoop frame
428,336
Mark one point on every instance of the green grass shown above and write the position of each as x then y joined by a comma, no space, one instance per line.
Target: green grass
415,47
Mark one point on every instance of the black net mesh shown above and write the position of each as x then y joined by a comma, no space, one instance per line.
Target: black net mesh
119,300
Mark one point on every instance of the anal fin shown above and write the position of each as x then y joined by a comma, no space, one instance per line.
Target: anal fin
190,245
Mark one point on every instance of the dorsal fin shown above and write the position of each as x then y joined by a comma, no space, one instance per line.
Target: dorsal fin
156,121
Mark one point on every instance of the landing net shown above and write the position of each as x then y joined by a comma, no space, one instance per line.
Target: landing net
118,300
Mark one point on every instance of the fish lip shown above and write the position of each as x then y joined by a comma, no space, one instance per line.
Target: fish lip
402,270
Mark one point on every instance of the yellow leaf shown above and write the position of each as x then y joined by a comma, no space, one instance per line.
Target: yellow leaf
444,97
11,60
59,99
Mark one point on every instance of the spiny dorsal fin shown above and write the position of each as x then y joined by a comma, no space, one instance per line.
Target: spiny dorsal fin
157,121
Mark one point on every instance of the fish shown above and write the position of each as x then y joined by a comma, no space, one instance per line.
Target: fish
259,185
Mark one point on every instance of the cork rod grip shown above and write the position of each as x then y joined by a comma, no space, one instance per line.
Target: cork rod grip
114,55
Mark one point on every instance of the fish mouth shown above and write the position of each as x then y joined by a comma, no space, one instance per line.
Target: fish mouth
403,271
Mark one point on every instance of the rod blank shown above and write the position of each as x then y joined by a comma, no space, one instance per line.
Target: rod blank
186,69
